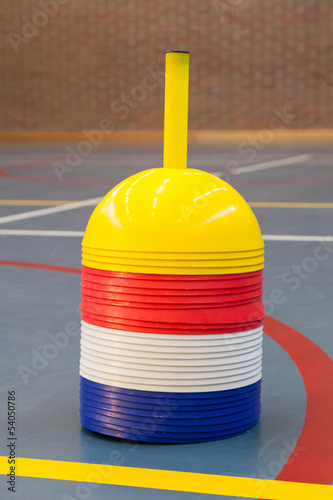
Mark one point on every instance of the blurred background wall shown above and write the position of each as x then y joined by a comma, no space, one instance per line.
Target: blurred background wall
67,64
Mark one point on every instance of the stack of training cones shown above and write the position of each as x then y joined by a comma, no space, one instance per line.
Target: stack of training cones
171,342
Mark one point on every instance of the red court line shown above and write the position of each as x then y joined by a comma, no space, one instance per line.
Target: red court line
48,267
312,458
44,162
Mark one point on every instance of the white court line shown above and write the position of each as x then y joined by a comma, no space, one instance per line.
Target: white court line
270,164
79,234
32,232
46,211
289,237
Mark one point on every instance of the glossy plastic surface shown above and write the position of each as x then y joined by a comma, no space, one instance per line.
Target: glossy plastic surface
198,406
176,398
195,386
196,256
125,433
176,109
164,266
195,339
173,210
166,281
165,328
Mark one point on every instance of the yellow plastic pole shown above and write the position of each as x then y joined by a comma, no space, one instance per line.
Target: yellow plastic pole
176,109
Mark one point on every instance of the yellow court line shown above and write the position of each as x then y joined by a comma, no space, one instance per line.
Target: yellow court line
168,480
254,204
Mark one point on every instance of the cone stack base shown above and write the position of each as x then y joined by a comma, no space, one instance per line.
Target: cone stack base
182,367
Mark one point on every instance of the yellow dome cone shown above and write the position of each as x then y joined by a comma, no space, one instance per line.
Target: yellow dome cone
173,220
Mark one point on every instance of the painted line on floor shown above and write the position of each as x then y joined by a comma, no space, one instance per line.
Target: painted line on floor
37,232
48,211
282,204
254,204
138,477
52,180
43,203
80,234
270,164
48,267
289,237
312,457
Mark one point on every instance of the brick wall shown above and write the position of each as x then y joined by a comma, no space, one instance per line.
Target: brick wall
72,63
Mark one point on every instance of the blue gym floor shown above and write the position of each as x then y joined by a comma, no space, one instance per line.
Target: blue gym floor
39,303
